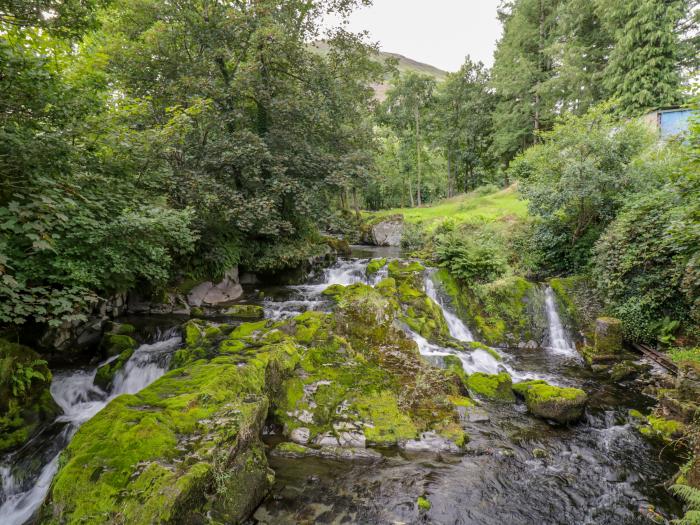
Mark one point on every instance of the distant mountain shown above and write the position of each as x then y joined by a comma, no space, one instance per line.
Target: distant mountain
404,65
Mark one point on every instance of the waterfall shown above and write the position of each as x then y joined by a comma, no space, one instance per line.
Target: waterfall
559,342
307,297
458,329
80,400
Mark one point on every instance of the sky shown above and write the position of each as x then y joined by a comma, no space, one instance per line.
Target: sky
438,32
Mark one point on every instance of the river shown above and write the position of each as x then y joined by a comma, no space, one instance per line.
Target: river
517,469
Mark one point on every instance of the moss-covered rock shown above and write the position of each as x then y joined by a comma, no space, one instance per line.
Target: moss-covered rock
339,246
405,271
375,265
578,303
25,399
117,343
562,405
104,377
608,336
185,448
497,387
245,311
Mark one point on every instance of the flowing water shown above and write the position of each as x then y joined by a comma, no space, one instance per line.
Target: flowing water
597,472
25,476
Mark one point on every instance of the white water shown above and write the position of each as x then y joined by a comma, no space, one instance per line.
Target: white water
307,297
80,400
458,329
559,342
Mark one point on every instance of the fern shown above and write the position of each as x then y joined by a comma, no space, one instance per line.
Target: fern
691,496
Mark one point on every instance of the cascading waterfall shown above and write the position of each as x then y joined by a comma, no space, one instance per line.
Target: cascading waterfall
80,399
559,342
307,297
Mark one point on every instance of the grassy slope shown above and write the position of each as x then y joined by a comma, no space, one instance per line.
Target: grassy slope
504,206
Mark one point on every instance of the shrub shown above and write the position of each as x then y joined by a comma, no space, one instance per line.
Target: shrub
469,259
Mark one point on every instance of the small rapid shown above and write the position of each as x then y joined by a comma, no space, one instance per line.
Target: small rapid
23,486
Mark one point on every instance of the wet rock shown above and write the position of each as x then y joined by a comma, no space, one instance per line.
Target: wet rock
352,439
360,455
476,415
627,370
539,453
562,405
430,442
113,344
326,440
688,381
104,377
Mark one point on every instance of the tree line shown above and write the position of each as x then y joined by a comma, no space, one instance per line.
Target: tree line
556,57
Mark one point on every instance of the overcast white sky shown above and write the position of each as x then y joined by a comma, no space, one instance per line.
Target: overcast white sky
438,32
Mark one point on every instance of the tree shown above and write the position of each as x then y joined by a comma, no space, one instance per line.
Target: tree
577,180
522,67
406,111
644,66
463,126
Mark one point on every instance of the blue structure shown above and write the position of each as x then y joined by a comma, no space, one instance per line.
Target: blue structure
670,122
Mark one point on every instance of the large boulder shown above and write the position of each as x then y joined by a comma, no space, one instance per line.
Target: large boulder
211,294
384,232
25,400
562,405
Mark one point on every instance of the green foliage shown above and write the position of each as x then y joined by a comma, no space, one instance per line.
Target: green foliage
577,180
691,496
644,69
469,259
24,374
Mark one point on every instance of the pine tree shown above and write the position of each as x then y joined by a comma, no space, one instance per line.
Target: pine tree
643,71
521,70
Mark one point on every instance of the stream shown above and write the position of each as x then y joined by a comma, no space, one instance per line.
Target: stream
517,469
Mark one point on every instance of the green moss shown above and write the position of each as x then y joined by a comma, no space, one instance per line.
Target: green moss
123,329
245,311
636,414
668,429
375,265
105,374
154,456
389,424
292,448
454,364
491,386
423,503
401,270
559,404
197,311
116,344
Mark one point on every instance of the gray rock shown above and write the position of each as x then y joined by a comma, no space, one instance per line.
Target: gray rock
474,414
210,294
388,232
326,440
430,442
300,435
359,455
352,439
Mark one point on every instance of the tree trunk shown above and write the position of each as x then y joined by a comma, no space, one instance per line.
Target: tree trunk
418,179
449,173
410,191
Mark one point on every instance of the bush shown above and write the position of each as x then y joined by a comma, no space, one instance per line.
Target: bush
470,260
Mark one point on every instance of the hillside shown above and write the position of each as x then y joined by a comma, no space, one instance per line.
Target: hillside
404,65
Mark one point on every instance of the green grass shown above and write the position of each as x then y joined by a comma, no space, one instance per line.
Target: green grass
504,206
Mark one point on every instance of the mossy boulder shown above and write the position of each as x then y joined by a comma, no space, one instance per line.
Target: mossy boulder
608,336
245,311
339,246
375,265
497,387
558,404
406,271
104,378
187,448
25,399
117,343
